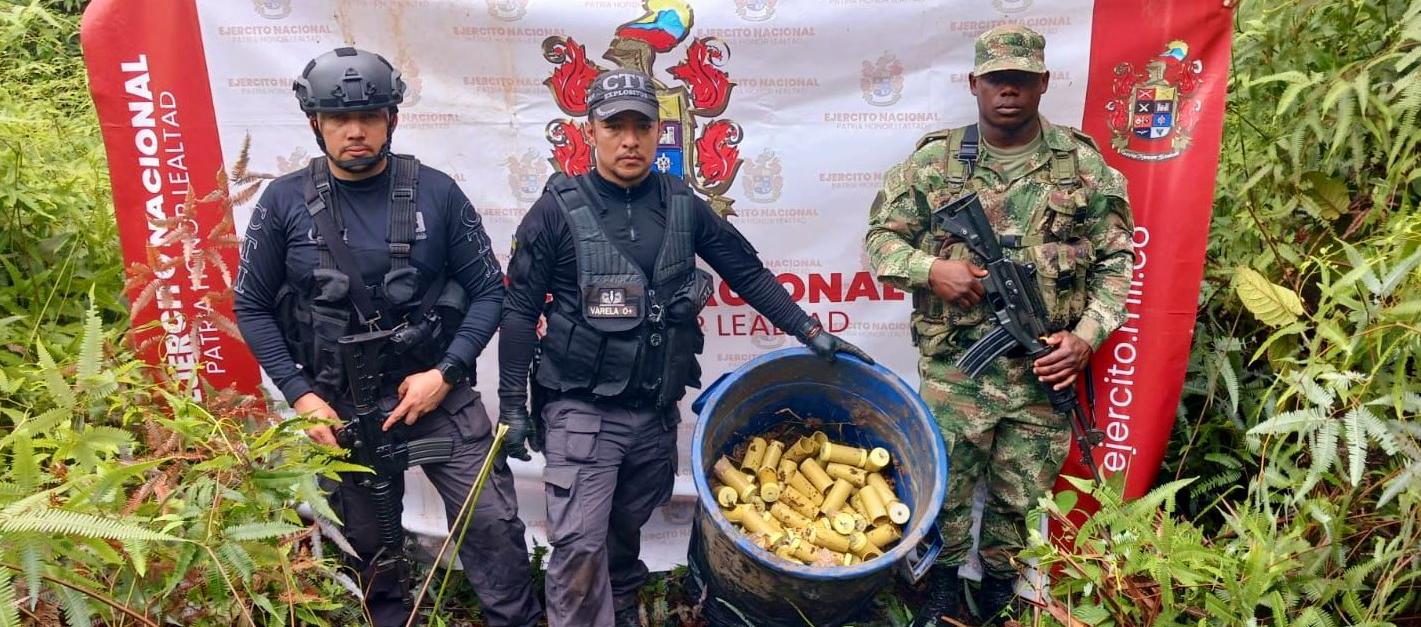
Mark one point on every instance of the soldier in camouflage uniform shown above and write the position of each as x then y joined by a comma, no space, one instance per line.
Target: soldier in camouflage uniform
1053,202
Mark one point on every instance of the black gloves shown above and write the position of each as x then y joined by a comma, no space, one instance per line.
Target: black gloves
522,434
826,344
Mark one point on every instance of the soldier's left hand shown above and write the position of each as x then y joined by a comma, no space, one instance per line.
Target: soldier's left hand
420,393
1060,367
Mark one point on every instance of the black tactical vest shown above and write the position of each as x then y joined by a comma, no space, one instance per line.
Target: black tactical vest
314,321
631,336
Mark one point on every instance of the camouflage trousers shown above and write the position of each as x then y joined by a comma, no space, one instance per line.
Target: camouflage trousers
998,428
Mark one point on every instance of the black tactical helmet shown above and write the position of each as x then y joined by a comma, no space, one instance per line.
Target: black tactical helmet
347,79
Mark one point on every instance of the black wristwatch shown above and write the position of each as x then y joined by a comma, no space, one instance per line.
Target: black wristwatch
452,370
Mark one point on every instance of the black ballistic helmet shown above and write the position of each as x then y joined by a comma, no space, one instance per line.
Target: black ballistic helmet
347,79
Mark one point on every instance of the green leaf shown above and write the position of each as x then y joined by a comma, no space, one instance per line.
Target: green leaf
1273,305
1091,614
1394,277
308,489
1330,194
260,531
277,618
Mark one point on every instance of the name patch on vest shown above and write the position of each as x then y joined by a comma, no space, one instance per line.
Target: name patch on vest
610,302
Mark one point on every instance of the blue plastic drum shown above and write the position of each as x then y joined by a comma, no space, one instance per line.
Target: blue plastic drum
866,405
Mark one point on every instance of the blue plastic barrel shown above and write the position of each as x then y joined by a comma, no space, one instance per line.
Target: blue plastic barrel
859,403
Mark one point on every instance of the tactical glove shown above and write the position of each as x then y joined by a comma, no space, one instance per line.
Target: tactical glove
515,443
828,345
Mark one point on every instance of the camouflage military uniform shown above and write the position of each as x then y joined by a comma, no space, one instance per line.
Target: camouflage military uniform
1068,214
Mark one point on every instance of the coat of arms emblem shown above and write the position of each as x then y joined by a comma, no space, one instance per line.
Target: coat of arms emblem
763,182
507,10
882,81
272,9
294,162
702,150
1152,112
1011,6
526,174
755,10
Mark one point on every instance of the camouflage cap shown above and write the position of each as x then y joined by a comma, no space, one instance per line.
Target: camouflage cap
1010,47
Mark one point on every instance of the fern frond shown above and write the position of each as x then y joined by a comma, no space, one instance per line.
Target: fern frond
91,344
1297,421
59,391
1356,446
9,606
62,522
1324,455
236,558
45,423
259,531
24,465
32,562
77,610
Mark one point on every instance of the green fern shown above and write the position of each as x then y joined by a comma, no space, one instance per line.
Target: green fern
236,558
1324,456
91,343
31,554
9,605
78,611
24,466
61,522
45,422
59,389
259,531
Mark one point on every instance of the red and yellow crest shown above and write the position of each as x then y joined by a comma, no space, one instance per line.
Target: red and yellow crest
693,145
1152,111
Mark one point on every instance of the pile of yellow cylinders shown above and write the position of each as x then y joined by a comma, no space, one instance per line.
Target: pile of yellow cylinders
811,501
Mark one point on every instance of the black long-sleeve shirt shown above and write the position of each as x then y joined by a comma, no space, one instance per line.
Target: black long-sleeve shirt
280,248
545,262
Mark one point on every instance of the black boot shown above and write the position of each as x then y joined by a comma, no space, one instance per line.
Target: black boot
944,597
994,599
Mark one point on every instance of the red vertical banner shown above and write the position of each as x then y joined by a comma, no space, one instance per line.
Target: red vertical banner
1155,102
149,81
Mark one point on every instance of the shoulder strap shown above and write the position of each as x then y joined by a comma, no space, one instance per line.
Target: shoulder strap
963,150
678,251
403,190
331,240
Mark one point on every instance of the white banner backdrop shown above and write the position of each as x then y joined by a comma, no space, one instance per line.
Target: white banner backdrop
828,94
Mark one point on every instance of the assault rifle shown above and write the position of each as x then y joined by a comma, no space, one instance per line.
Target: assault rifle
361,355
1015,301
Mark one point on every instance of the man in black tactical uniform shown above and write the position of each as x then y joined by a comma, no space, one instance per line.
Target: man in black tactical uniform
616,249
364,241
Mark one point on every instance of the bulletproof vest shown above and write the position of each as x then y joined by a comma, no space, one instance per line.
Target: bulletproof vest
961,156
338,303
630,336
